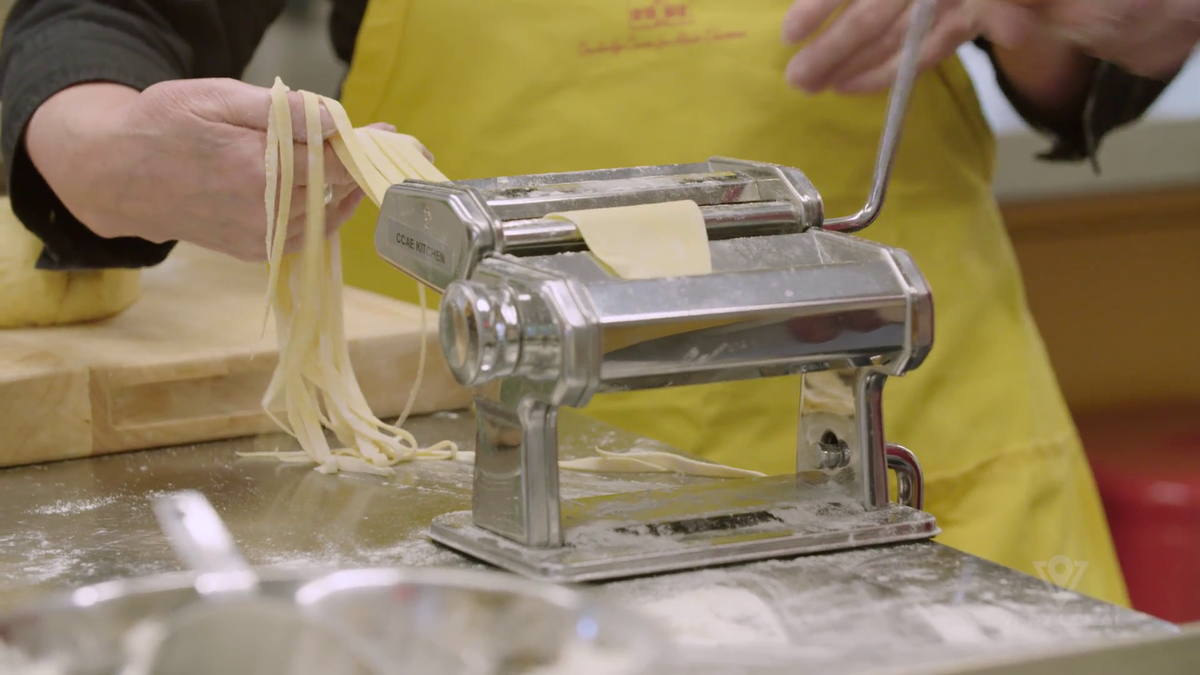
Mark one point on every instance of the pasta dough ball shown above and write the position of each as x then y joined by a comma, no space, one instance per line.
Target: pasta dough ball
33,297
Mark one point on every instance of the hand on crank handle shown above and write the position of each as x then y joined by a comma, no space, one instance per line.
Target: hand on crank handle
854,47
181,161
1151,38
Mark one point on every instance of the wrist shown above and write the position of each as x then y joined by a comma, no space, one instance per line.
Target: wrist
70,140
1051,75
1190,11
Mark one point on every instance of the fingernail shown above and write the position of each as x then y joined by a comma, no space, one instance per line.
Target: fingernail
795,75
800,75
803,84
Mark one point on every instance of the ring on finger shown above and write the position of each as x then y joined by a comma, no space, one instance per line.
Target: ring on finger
328,194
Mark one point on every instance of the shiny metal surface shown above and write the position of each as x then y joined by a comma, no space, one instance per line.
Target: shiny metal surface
450,622
720,523
717,183
533,327
439,232
486,342
910,486
235,627
723,221
535,335
81,522
1177,654
197,535
844,408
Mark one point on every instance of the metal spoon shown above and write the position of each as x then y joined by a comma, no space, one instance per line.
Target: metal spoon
235,628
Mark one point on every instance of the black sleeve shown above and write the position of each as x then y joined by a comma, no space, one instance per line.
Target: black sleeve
49,45
1116,98
345,18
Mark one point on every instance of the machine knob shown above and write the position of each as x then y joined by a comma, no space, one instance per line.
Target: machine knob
480,335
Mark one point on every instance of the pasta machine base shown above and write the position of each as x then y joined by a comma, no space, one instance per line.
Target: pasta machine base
728,521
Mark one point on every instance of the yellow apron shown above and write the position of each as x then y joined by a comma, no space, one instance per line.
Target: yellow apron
530,86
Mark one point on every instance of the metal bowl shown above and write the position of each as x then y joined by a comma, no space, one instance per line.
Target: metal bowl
421,620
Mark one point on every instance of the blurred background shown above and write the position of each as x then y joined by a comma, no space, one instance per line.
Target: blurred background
1108,259
1110,267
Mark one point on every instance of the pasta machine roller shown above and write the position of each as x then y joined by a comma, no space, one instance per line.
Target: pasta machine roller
532,323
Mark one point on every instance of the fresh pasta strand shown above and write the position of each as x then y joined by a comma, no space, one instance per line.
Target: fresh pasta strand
314,382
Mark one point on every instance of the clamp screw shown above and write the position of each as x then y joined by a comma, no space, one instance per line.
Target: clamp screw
835,453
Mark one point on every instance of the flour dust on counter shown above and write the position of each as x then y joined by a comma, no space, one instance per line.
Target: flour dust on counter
781,611
71,508
81,522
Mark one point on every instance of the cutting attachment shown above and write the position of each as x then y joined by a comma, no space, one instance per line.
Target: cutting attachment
532,323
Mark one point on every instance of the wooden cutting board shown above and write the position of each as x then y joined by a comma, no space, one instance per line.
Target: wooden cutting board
188,363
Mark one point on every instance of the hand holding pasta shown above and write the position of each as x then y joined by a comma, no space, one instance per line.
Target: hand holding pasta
180,161
314,384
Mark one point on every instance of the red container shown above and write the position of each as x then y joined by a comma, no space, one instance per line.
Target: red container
1147,466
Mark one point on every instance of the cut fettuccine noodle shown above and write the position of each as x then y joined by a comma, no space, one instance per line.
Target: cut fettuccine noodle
314,382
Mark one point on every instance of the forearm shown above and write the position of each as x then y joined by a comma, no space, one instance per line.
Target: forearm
1084,111
1051,77
49,46
64,143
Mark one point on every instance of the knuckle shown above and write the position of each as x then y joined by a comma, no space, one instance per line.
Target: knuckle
860,23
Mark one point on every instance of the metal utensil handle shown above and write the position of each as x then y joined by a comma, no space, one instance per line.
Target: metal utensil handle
910,481
203,543
920,21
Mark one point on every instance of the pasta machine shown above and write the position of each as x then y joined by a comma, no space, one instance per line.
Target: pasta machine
531,322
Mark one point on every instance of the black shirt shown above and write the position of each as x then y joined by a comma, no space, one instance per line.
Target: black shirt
49,45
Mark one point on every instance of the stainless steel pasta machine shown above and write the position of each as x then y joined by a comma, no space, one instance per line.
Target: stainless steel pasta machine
532,323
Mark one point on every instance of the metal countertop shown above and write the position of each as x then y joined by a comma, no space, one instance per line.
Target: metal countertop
84,521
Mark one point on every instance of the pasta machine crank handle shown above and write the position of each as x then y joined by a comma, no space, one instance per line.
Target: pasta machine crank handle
920,20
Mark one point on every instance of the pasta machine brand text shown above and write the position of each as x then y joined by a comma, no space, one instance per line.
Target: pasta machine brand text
423,248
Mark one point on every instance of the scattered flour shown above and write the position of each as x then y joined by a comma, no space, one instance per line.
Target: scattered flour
718,616
584,659
410,553
980,624
64,507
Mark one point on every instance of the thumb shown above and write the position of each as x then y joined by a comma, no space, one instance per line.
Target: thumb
249,106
